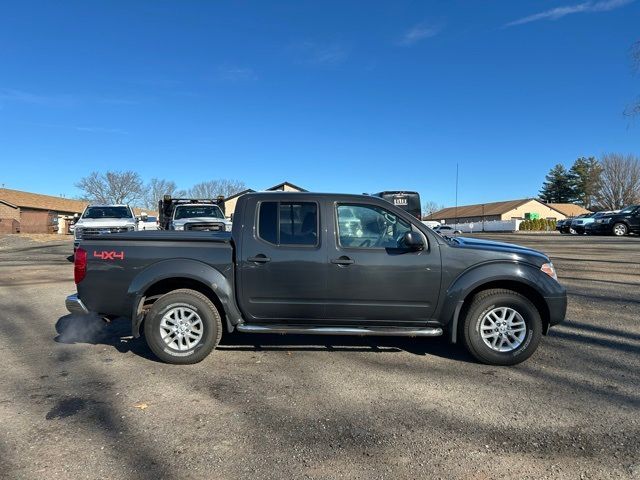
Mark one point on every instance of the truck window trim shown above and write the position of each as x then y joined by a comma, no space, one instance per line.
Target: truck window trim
256,233
336,223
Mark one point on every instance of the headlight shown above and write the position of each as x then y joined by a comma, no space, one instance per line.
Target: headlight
550,270
178,227
131,228
227,227
77,232
606,220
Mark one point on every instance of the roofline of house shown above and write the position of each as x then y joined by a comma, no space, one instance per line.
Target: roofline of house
247,190
275,187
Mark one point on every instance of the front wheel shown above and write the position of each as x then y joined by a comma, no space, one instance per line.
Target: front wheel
620,230
182,327
502,327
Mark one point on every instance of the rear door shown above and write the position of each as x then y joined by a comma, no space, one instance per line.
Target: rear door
283,261
371,277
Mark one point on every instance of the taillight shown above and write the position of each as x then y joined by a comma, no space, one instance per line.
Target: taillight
79,265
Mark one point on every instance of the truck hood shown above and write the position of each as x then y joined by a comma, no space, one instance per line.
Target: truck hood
531,255
182,221
104,222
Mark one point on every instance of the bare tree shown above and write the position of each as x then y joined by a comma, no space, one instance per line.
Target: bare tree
157,188
431,207
112,187
619,181
213,188
634,109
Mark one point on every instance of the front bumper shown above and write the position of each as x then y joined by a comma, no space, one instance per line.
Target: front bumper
75,305
557,309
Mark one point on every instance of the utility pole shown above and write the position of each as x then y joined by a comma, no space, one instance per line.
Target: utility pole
483,217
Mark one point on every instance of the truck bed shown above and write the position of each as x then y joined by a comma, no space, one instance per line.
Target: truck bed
121,263
164,236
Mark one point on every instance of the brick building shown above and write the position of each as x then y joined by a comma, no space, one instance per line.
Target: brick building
25,212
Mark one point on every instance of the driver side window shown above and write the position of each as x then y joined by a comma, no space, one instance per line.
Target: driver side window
369,226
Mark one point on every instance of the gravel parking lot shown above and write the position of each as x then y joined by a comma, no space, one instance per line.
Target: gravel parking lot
80,399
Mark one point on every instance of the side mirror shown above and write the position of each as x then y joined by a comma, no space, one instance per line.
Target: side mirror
413,241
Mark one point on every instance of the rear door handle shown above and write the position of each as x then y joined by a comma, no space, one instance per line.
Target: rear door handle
342,261
260,258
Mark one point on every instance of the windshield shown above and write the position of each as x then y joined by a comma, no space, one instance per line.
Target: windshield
628,209
107,212
194,211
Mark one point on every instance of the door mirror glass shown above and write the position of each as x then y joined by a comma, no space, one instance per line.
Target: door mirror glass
413,241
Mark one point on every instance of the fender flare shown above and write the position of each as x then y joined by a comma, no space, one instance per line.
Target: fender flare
221,286
487,273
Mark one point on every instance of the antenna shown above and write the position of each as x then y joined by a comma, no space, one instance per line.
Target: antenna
456,226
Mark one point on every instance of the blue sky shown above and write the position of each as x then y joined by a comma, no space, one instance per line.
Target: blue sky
333,96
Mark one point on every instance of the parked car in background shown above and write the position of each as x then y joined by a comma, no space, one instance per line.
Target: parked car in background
446,230
101,219
147,223
578,225
564,226
619,224
431,223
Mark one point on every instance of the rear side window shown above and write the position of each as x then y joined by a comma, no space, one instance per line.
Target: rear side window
288,223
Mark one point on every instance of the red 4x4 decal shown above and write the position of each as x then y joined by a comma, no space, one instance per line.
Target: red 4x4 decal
112,255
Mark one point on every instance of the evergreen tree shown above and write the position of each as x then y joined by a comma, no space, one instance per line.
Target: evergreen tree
558,186
585,177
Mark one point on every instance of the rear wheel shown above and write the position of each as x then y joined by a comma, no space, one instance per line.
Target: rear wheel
620,230
502,327
182,327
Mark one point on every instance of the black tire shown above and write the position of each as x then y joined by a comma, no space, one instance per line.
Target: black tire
483,303
620,229
194,301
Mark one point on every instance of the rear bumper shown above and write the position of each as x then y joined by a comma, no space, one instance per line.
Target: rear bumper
75,305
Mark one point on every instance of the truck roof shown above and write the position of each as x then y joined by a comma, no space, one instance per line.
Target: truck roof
107,205
352,196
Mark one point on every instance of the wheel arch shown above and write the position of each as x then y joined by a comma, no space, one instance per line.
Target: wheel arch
164,277
520,278
515,286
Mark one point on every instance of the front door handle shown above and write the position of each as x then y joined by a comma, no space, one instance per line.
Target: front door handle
342,261
260,258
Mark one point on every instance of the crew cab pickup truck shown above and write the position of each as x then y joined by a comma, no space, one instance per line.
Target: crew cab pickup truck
101,219
328,264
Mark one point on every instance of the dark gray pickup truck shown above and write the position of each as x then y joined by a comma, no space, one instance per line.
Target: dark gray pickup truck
319,264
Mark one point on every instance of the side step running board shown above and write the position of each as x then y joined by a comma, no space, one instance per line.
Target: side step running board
381,331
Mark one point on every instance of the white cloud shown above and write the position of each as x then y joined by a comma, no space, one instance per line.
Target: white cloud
559,12
418,33
117,131
312,53
20,96
234,73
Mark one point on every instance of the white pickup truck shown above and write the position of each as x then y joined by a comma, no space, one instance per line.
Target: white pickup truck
100,219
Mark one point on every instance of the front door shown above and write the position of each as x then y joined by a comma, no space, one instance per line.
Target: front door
371,277
283,269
